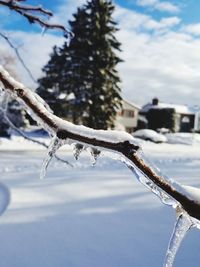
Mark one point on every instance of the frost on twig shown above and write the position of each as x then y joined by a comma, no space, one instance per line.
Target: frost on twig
124,145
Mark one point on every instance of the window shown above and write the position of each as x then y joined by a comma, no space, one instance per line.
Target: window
185,119
128,113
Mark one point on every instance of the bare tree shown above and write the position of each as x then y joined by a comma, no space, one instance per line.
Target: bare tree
185,199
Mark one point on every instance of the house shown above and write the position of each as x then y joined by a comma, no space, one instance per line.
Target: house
127,117
176,118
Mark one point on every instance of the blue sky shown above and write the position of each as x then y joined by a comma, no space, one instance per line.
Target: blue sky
160,46
188,10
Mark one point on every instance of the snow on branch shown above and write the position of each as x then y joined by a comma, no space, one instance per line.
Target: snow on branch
34,14
119,142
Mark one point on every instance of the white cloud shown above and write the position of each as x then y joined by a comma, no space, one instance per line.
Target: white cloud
65,10
132,20
165,6
170,21
165,65
164,23
192,29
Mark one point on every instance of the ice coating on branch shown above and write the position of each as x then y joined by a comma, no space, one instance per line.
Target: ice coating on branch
53,147
143,179
182,225
190,192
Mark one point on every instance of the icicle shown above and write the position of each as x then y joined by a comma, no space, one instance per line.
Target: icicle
182,225
77,150
53,147
44,29
95,154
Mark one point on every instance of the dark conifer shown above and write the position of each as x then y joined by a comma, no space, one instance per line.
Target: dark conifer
86,69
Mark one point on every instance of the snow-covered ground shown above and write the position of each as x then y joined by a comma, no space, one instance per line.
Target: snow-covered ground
90,216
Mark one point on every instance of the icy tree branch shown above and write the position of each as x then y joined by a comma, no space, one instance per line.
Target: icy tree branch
34,14
122,143
185,199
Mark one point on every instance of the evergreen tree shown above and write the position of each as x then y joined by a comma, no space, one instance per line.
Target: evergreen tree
86,69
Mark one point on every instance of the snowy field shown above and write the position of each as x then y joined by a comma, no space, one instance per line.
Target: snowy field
90,216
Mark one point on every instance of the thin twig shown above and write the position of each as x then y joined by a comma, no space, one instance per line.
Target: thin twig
5,37
28,12
39,9
13,4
